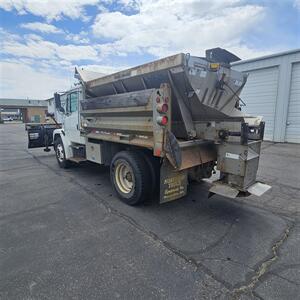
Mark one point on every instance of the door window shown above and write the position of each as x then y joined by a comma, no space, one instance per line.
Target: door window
73,102
63,102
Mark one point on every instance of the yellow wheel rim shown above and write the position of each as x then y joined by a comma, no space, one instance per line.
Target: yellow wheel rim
124,177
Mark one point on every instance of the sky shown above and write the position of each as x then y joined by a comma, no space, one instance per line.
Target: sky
42,41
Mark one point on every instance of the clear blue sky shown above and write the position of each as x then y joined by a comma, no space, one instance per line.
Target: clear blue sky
42,41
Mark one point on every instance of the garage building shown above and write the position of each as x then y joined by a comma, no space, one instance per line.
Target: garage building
273,91
29,111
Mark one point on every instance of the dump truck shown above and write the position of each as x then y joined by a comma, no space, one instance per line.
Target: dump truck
160,126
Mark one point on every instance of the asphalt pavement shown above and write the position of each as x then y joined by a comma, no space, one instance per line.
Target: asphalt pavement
64,234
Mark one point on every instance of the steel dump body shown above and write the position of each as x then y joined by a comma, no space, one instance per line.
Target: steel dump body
190,78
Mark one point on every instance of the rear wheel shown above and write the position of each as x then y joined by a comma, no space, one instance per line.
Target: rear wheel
130,177
60,153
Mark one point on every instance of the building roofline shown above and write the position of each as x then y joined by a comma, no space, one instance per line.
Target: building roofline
10,102
266,56
6,98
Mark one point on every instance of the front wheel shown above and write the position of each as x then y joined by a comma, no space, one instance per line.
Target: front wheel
61,154
130,177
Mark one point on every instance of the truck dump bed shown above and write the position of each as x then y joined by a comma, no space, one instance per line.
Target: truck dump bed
201,90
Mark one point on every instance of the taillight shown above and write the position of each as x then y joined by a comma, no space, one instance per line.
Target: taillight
162,120
162,108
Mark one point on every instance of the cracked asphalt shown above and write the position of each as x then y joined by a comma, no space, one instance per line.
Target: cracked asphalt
64,235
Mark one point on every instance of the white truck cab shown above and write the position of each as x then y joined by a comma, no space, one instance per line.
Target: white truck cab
69,114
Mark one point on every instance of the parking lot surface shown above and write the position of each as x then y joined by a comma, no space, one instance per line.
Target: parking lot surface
64,234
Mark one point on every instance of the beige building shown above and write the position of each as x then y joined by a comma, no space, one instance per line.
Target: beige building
35,114
30,111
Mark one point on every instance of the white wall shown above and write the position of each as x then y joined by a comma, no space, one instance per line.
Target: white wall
263,97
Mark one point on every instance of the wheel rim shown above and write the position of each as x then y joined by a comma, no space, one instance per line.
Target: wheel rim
124,177
60,153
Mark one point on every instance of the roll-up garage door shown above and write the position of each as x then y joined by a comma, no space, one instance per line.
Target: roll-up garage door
292,133
260,95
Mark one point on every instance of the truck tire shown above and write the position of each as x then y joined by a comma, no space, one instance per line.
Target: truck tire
130,177
60,154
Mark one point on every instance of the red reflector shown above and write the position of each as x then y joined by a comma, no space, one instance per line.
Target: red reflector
166,99
157,100
162,108
164,120
157,152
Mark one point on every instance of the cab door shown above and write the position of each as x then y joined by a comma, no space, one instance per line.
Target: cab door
71,122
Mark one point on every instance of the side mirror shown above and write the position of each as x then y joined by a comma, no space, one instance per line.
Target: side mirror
58,103
57,100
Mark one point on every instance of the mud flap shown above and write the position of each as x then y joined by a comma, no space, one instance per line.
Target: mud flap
173,183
